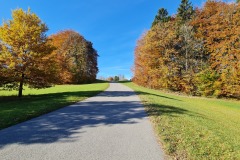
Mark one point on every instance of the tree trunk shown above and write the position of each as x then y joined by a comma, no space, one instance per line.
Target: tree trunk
21,86
186,62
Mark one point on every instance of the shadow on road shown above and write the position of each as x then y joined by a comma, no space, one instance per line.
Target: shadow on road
62,124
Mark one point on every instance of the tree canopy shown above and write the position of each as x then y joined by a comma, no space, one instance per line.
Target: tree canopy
76,57
25,54
28,57
199,56
185,11
161,17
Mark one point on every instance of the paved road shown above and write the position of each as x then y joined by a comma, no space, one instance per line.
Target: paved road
110,126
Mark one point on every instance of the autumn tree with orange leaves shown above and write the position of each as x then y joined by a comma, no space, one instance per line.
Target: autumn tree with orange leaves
28,57
218,25
76,57
198,55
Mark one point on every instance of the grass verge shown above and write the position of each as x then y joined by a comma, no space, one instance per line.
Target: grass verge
37,102
193,127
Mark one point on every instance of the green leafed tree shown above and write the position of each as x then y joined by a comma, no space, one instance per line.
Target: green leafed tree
185,11
161,17
25,56
116,78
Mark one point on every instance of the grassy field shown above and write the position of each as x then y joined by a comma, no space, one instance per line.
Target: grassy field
37,102
193,127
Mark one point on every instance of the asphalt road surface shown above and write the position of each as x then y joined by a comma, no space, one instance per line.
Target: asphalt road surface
110,126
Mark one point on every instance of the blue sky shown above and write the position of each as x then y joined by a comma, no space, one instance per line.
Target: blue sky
112,25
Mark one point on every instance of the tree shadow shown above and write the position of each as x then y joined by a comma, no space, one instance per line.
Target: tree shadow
125,81
118,93
173,111
65,123
30,106
160,96
147,93
50,95
130,93
68,123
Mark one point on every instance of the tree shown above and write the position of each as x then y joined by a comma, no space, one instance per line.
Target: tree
92,63
116,78
218,25
76,57
61,53
25,53
110,79
198,55
155,57
185,11
161,17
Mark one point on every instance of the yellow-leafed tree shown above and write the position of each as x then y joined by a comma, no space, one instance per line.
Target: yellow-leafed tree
25,54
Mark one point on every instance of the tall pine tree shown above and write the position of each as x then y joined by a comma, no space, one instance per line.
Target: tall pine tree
162,16
185,11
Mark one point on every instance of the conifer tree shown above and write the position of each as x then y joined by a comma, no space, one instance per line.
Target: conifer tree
162,16
185,11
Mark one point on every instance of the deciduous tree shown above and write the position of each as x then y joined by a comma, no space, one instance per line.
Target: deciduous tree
218,25
76,57
25,53
193,53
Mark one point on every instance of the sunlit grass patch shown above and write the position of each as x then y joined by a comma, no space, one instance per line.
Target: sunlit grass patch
194,127
34,103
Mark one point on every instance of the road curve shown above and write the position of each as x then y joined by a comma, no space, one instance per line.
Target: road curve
110,126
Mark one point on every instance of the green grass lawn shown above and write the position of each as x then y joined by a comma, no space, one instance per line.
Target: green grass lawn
37,102
193,127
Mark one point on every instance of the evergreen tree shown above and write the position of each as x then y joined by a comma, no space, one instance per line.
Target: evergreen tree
185,11
116,78
162,16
